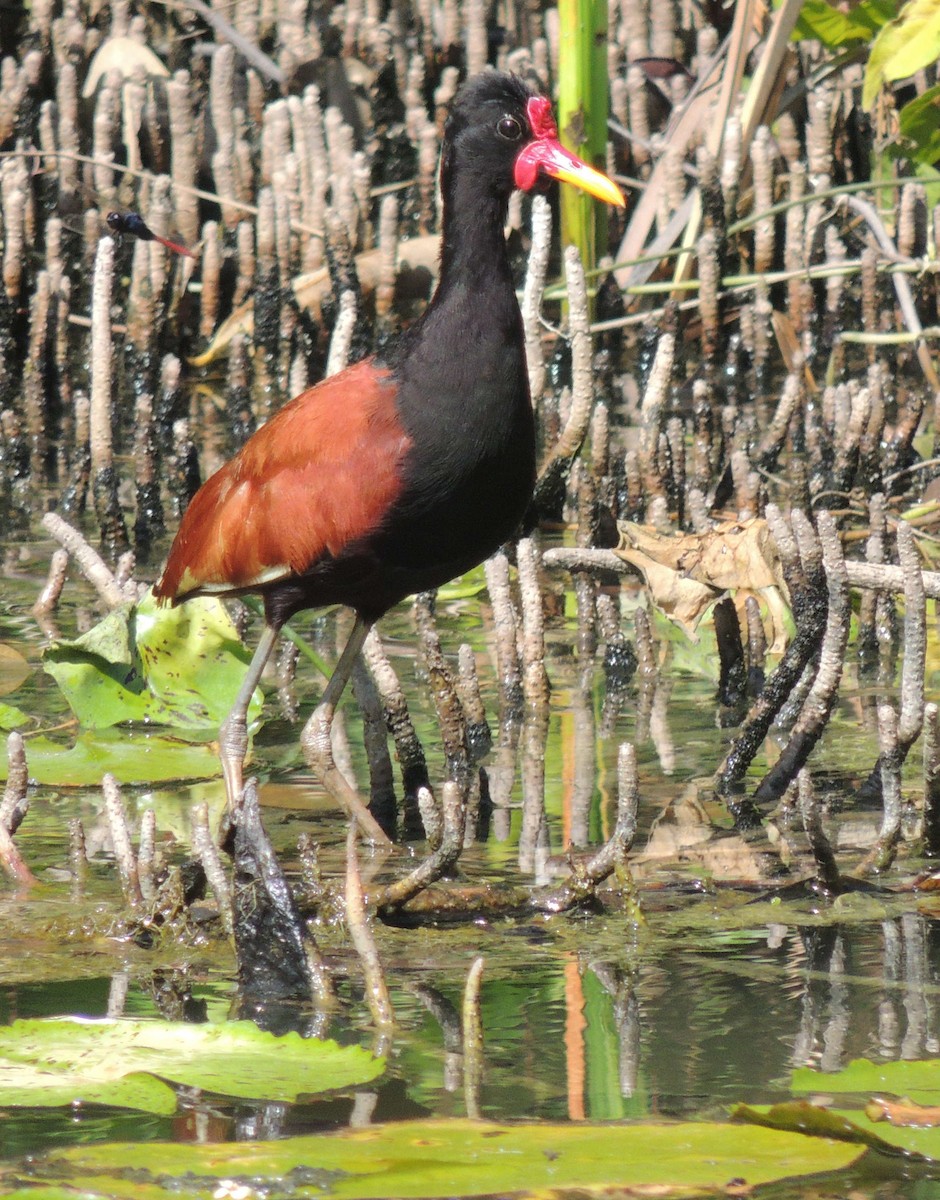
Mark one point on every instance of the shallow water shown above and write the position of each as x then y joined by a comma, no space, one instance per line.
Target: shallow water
710,996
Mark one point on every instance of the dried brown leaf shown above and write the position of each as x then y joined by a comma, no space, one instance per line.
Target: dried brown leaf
688,572
902,1112
684,833
13,669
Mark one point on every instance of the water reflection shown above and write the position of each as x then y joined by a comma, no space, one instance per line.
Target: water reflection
584,1017
692,1026
682,1027
730,1020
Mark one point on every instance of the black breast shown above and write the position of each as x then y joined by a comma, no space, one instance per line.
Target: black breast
471,469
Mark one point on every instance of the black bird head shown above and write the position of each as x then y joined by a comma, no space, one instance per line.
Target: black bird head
506,134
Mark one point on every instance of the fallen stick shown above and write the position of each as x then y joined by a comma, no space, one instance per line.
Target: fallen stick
883,576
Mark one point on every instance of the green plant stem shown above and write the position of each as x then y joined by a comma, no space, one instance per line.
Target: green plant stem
582,115
741,283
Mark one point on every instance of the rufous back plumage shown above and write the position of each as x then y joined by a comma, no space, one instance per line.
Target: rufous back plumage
322,473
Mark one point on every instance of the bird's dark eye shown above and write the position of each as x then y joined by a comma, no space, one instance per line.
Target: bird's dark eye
509,128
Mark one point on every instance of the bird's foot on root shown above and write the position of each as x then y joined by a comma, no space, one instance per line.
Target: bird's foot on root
233,749
318,751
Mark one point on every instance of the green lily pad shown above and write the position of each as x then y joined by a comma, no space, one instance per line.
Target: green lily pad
917,1080
459,1158
51,1193
47,1063
131,756
12,717
180,667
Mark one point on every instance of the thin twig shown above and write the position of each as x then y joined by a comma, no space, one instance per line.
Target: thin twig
48,599
11,861
827,871
15,803
439,861
901,285
146,850
821,697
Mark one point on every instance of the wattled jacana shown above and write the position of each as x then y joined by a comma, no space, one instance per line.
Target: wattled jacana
407,469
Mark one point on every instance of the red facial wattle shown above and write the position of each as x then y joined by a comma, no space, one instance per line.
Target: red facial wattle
545,154
541,118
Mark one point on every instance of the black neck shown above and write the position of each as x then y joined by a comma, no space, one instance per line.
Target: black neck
475,287
473,244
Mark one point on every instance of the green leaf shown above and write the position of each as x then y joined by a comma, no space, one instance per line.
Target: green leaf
98,674
180,667
903,47
582,116
918,1081
919,128
836,27
12,717
132,756
464,587
459,1158
915,1082
47,1063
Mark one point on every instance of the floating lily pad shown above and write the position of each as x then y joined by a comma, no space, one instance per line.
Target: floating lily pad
12,717
180,667
47,1063
917,1080
131,756
459,1158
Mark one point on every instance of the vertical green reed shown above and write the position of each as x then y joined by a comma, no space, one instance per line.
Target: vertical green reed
582,116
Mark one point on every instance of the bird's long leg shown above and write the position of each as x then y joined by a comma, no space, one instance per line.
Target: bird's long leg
316,744
233,735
